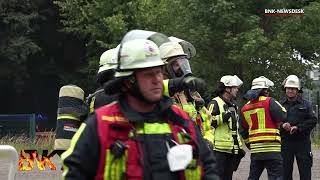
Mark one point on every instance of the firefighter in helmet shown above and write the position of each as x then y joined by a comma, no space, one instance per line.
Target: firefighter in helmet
106,72
140,135
261,117
296,129
183,86
224,133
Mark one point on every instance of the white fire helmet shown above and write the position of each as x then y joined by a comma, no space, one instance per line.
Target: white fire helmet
230,81
261,83
292,81
137,54
108,60
156,37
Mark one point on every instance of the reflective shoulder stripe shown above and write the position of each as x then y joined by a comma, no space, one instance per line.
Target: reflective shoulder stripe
219,100
221,103
282,108
73,143
154,128
166,87
262,98
114,118
93,99
68,116
211,106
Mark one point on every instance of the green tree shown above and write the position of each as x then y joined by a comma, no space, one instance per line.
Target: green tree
17,22
231,36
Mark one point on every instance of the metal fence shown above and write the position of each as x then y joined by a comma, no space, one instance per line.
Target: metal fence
17,125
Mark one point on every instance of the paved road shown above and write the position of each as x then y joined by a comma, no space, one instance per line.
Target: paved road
243,171
241,174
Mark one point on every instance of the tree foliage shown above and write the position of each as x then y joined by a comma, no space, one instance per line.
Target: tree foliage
231,36
16,43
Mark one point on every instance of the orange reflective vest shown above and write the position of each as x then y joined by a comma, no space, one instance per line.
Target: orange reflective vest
263,133
113,126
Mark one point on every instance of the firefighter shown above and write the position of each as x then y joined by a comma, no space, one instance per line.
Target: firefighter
261,118
183,86
106,72
141,135
225,138
295,131
71,112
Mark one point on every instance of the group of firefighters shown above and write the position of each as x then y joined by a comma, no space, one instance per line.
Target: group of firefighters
147,120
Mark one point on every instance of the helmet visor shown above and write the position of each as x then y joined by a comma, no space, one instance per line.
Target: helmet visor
178,67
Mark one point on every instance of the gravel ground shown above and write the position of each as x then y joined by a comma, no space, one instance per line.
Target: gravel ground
241,174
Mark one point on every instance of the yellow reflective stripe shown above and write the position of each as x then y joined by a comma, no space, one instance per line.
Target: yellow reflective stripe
166,87
265,144
260,116
251,132
264,138
282,108
266,149
262,98
108,164
154,128
222,150
93,99
191,110
117,167
193,171
114,118
180,138
65,116
211,106
221,103
68,152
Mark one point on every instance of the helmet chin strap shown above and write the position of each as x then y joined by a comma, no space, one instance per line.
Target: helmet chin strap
136,92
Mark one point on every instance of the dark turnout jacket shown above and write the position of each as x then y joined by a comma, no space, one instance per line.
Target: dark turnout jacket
300,114
82,159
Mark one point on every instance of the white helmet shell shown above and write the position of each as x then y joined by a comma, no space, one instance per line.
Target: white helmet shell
171,49
261,83
230,81
292,81
138,54
108,60
155,37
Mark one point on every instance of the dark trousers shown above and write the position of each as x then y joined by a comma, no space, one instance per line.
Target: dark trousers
224,164
301,150
273,166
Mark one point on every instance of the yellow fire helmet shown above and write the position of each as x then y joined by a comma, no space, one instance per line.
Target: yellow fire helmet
187,47
71,91
171,49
